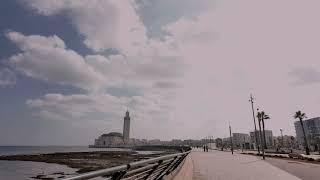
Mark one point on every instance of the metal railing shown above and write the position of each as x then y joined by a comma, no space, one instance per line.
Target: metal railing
154,168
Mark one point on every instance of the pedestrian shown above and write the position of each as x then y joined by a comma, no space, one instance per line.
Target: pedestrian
207,148
204,148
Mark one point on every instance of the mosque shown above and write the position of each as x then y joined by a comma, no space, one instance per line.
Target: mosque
115,138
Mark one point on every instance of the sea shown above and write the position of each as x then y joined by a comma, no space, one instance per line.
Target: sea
21,170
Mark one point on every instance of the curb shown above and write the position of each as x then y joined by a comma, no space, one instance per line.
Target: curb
283,156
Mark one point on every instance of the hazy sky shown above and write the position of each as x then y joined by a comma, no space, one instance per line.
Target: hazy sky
183,68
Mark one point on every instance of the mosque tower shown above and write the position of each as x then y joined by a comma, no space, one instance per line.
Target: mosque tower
126,128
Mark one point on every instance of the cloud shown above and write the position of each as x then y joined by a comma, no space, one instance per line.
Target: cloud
7,77
154,67
47,58
77,106
305,76
155,79
146,111
165,84
242,53
205,66
195,31
103,23
151,12
247,49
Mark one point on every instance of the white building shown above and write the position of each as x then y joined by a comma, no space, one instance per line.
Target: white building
269,137
284,141
240,138
115,138
110,139
212,145
311,127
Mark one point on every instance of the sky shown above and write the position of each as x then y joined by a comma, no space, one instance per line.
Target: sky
183,68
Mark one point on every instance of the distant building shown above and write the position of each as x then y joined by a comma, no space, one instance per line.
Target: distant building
191,142
126,128
269,138
134,141
110,139
212,145
155,141
176,142
227,139
284,141
240,138
311,127
115,138
219,142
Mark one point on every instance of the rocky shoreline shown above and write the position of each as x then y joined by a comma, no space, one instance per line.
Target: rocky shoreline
83,161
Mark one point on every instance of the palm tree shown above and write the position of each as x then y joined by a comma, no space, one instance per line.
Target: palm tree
259,116
299,115
263,117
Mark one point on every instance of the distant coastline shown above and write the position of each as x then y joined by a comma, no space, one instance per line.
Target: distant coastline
81,159
19,150
75,157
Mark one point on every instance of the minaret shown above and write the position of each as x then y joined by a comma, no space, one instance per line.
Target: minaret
126,128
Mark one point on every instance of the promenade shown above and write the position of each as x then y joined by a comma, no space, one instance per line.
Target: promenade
217,165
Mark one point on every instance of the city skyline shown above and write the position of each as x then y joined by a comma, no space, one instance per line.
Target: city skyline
69,69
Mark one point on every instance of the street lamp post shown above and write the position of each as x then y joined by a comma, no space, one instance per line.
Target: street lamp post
231,139
264,134
282,143
254,121
244,142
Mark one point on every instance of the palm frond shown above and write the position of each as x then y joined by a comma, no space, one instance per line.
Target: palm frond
300,115
259,115
266,117
297,114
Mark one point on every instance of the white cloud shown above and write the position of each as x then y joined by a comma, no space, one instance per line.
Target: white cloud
240,48
77,105
7,77
146,111
305,76
156,79
104,23
231,50
47,58
151,66
195,31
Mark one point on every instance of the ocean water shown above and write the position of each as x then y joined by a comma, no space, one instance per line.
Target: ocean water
21,170
13,150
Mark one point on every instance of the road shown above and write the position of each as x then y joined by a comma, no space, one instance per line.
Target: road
217,165
305,171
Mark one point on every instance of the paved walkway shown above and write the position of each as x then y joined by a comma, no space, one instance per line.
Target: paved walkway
217,165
